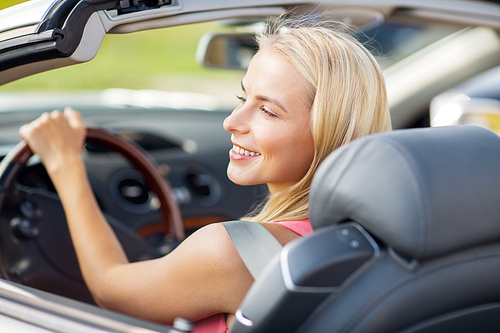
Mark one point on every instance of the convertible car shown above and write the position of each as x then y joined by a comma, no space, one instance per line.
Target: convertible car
407,222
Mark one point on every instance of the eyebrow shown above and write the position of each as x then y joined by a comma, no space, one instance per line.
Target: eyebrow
266,99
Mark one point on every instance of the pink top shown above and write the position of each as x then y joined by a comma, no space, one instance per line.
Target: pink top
301,227
217,322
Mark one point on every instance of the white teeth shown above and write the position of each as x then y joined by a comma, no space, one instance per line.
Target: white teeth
245,152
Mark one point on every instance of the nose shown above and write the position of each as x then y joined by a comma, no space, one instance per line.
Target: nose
238,121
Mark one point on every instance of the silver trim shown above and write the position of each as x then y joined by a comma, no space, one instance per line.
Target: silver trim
59,318
242,319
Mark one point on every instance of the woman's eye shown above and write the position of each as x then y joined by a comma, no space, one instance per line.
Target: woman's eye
267,112
241,98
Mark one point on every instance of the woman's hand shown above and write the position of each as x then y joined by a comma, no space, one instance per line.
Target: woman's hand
55,137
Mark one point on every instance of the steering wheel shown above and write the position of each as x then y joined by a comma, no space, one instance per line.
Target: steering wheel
35,245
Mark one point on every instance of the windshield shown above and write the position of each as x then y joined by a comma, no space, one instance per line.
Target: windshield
394,41
164,60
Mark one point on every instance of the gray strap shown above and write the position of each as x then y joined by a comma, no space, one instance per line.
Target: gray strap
254,243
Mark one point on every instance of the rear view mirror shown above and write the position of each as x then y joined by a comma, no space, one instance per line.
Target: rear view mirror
229,51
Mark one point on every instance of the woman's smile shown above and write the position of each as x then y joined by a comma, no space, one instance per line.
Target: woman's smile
238,153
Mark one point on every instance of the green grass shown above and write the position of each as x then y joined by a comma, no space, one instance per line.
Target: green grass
8,3
140,59
154,59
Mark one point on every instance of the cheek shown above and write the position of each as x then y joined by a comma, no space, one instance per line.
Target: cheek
302,155
274,142
292,150
301,147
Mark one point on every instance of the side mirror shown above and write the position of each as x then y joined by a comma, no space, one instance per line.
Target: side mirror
229,51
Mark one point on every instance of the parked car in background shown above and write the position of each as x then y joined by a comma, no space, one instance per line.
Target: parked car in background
425,47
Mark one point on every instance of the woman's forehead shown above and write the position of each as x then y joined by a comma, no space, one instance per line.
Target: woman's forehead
271,74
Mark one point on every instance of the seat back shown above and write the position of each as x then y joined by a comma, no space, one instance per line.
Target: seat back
407,237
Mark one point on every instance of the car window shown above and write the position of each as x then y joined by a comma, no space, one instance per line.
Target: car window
164,60
394,41
160,59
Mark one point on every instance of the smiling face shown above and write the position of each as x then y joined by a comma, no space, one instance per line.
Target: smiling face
270,130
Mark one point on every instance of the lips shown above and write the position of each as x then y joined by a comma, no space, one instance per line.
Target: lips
241,151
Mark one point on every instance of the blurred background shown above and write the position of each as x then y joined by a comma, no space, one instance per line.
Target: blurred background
420,58
161,59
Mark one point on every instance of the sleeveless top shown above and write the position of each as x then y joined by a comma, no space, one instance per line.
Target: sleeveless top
217,322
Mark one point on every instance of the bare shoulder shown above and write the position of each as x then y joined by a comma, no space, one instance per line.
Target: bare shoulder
210,255
211,240
205,265
203,276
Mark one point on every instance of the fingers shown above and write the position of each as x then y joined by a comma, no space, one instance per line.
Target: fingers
45,121
56,118
55,133
74,117
75,121
27,131
23,131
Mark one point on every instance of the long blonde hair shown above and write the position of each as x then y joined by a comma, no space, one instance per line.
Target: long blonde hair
350,100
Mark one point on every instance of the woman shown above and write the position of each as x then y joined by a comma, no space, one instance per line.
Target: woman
307,91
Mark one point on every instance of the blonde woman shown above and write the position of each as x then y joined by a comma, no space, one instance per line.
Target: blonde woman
307,91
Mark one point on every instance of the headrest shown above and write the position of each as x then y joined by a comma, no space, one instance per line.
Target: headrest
424,192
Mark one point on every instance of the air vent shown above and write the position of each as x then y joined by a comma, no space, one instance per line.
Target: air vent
201,184
133,191
128,190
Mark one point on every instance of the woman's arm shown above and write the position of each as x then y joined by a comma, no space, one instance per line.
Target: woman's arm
202,276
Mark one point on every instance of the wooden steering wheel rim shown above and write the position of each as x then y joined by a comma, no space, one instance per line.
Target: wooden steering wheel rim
140,159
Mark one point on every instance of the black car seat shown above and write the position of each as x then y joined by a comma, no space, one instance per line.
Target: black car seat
407,239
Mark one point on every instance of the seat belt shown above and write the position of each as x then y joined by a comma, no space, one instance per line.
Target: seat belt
254,243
